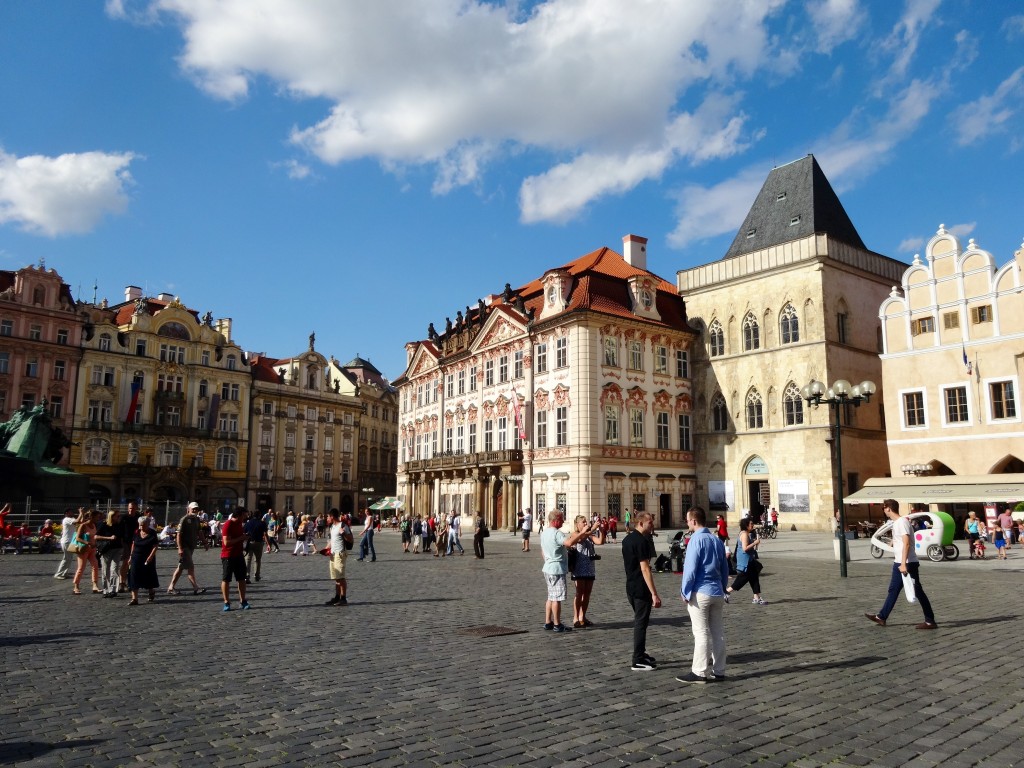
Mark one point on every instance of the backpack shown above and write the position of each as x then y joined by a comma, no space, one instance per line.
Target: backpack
346,537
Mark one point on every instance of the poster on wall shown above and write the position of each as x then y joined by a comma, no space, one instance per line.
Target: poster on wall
721,497
793,497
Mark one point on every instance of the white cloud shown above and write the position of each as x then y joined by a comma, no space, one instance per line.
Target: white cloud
992,113
62,195
835,22
962,230
705,212
456,84
911,245
562,192
906,34
294,169
1013,26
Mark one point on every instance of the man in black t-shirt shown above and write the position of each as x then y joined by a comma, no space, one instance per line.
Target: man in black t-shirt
637,551
256,532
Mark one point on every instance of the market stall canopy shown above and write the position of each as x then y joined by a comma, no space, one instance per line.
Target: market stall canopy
943,489
388,502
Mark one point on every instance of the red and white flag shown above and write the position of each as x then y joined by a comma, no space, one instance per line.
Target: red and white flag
518,411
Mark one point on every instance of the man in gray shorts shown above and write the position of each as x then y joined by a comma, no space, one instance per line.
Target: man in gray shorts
188,540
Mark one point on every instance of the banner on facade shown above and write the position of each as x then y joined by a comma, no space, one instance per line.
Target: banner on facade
793,497
721,496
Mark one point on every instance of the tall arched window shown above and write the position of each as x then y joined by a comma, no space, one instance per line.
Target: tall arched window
751,333
97,451
716,339
227,459
169,455
793,404
755,411
789,325
719,414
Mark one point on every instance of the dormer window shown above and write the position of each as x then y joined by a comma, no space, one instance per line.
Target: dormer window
751,233
781,197
646,298
794,220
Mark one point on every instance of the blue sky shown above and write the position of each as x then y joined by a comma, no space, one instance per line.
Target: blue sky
361,169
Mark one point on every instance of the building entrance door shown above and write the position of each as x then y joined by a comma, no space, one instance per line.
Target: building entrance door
759,492
665,511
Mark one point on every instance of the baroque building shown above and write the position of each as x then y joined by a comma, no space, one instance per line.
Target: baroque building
304,423
953,334
162,406
794,299
573,391
377,436
40,344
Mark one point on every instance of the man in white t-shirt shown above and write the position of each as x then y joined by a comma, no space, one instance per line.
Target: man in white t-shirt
454,532
67,532
527,529
905,562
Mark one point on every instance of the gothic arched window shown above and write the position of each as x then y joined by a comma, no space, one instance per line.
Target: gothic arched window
793,404
789,325
755,411
716,339
719,414
751,333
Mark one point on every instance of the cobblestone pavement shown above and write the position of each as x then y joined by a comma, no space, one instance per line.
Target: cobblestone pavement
393,679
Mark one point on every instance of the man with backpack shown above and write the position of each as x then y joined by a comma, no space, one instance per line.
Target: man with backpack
256,532
340,536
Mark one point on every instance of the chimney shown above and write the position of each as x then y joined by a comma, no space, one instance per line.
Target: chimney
223,326
168,297
132,292
634,251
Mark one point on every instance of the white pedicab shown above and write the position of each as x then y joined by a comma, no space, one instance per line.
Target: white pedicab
934,541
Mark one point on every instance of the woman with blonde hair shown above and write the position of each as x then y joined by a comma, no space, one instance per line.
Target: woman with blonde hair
300,536
85,539
583,571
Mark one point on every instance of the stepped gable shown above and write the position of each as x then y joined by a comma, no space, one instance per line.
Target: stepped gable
796,201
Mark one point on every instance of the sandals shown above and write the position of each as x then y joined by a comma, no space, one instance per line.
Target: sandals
577,624
200,591
133,602
588,623
77,592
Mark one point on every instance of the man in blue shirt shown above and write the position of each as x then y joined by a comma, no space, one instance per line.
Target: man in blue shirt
705,577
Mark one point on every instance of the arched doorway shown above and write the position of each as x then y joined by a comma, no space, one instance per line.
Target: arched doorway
759,496
492,513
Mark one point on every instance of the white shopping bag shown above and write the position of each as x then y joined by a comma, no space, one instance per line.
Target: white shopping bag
908,588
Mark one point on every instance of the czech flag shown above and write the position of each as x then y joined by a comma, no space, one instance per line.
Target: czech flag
967,363
129,416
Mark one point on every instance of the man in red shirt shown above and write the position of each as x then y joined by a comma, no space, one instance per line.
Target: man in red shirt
232,557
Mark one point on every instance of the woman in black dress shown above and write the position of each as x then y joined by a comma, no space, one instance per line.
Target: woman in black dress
142,574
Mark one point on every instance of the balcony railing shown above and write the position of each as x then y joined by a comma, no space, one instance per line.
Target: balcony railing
465,460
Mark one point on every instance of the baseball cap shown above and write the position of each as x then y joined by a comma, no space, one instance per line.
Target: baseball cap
193,505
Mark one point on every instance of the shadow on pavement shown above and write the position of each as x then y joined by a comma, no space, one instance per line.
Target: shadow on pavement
971,622
17,751
803,600
824,666
755,656
11,642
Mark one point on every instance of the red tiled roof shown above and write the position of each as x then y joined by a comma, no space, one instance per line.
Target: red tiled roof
125,311
263,368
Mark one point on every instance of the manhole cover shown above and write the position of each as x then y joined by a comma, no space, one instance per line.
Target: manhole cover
491,630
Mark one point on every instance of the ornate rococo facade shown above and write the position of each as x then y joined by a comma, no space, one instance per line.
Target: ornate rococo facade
162,410
573,391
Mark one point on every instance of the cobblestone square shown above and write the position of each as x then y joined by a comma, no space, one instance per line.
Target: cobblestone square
397,677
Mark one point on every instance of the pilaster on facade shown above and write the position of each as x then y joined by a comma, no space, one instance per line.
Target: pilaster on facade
523,400
40,345
304,426
162,404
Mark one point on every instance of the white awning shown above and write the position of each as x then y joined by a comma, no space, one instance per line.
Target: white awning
944,489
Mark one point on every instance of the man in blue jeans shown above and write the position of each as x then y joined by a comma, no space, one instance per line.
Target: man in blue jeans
366,542
905,562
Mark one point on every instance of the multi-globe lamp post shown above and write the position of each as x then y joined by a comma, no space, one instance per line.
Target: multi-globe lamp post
837,396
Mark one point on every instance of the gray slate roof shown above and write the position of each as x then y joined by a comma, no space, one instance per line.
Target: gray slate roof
796,201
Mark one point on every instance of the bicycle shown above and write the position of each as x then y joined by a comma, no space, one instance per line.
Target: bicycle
768,531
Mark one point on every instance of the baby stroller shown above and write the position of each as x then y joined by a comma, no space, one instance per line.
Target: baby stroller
978,549
677,551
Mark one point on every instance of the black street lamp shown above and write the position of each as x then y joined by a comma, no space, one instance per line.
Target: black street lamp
837,396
